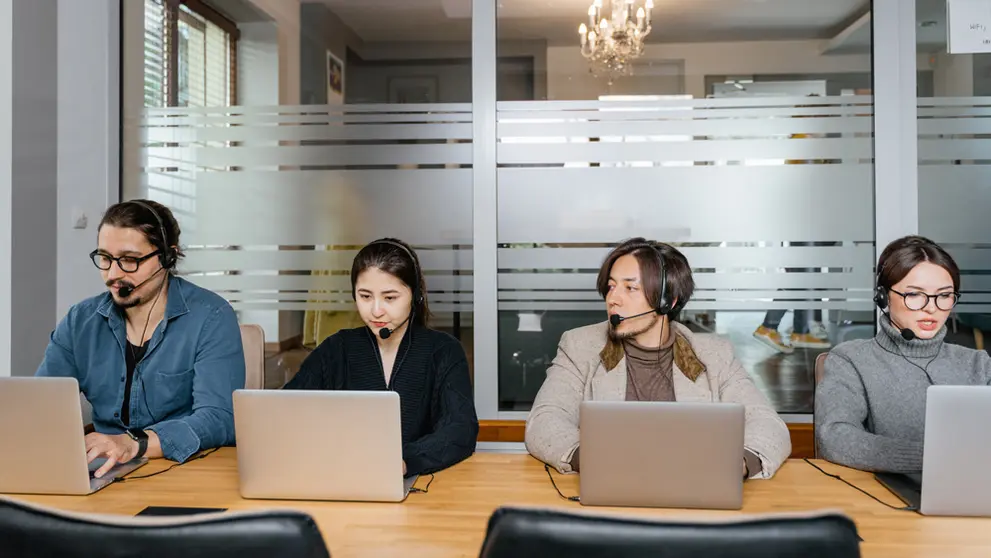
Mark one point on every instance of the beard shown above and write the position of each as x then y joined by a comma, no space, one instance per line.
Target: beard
621,336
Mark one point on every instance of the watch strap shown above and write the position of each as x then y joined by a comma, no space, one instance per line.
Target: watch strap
141,438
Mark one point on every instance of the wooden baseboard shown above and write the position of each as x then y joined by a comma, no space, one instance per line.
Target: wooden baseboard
284,345
802,443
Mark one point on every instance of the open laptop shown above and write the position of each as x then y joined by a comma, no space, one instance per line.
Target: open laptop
41,431
320,445
661,454
954,479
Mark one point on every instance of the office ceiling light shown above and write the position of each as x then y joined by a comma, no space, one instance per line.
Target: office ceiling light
610,44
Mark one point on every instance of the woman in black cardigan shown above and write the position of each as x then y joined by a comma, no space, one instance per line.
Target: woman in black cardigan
397,351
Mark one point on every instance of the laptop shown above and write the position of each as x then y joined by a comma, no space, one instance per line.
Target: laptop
661,454
320,445
43,419
954,479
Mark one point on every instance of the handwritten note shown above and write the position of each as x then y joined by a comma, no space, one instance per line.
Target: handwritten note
968,27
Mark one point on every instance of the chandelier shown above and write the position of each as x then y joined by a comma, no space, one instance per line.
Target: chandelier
610,44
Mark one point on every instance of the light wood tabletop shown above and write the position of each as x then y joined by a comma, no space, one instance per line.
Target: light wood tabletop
450,520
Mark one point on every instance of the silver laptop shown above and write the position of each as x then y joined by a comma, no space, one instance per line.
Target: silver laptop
41,431
320,445
665,455
955,478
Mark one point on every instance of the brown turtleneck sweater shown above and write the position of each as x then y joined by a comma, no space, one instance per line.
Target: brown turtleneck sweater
649,371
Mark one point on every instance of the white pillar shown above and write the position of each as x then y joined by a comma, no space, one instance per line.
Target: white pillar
28,181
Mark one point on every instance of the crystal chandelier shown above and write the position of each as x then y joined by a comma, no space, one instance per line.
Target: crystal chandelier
611,44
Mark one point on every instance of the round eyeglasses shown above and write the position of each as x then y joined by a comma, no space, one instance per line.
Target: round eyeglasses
918,301
127,264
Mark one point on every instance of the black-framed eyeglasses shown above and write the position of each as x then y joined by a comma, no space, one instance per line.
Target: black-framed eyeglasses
917,301
127,264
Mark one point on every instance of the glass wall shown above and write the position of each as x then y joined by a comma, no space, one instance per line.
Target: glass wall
351,121
739,132
954,201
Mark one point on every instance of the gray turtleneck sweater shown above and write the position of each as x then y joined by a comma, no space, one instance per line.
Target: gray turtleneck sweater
870,407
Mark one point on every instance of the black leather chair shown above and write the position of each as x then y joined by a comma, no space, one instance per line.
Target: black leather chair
521,533
29,530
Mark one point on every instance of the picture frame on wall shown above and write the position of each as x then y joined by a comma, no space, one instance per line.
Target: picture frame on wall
335,79
413,89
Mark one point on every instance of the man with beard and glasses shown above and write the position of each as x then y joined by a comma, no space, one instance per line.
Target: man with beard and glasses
157,357
642,354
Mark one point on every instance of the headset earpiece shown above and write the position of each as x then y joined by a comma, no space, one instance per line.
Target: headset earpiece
167,254
663,304
881,297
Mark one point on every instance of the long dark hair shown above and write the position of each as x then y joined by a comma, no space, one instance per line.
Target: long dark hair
398,259
902,255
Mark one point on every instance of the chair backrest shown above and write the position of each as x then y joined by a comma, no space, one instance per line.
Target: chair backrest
819,372
30,530
253,340
522,533
820,368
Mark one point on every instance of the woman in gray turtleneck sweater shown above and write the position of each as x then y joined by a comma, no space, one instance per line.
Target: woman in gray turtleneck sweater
870,407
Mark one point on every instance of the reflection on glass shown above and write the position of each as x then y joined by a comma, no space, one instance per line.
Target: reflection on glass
741,141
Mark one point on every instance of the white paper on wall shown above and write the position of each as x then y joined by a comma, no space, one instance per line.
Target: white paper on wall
968,26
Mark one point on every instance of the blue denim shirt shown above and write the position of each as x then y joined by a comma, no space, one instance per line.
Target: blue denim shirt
182,389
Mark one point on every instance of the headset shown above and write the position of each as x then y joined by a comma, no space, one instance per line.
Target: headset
167,256
663,304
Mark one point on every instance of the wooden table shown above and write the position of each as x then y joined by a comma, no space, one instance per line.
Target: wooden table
450,520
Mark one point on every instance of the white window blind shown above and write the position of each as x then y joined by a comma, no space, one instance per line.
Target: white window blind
203,55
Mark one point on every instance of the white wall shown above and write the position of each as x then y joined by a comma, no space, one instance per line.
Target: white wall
88,138
6,178
568,76
29,190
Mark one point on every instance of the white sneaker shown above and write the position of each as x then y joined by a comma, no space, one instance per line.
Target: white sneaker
819,331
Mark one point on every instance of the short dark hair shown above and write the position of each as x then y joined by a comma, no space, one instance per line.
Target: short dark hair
135,214
680,283
902,255
389,255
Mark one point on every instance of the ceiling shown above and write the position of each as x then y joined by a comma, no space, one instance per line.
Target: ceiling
556,21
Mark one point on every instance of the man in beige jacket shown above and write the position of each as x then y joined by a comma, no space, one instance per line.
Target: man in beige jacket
641,354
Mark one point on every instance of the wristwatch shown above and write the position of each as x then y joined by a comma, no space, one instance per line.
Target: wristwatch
141,438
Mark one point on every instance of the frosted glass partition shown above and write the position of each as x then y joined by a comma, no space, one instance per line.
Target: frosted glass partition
274,202
955,189
771,199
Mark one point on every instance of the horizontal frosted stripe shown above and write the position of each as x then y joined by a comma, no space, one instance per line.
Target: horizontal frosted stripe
249,120
953,126
303,109
340,283
955,204
319,297
703,280
863,294
694,127
680,204
930,149
198,261
252,157
696,305
302,306
711,150
507,106
381,132
954,112
423,207
972,259
683,113
792,256
973,309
